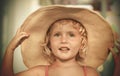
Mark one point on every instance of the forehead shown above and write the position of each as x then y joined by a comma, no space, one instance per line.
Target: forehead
69,24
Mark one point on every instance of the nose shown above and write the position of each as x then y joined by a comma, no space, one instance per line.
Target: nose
64,39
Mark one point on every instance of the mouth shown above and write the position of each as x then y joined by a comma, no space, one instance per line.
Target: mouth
64,49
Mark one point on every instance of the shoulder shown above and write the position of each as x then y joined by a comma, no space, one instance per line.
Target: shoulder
34,71
39,70
92,72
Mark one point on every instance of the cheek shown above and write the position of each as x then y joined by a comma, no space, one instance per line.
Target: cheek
53,43
76,48
54,40
76,45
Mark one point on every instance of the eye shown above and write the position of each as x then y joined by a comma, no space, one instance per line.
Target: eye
57,34
71,34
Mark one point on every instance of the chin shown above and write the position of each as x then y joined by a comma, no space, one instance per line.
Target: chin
66,58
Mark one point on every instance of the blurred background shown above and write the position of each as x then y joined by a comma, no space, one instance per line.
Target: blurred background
14,12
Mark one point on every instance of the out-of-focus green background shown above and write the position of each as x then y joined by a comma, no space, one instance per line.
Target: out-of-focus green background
14,12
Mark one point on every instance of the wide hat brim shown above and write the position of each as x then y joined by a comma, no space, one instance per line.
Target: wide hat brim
100,35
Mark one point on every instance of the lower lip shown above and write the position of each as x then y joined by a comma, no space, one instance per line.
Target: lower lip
64,51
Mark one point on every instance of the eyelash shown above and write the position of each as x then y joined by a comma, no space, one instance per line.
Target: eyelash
57,34
70,34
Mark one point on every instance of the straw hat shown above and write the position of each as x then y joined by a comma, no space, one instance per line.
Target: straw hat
100,35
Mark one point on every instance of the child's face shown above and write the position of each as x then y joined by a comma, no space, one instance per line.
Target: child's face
65,41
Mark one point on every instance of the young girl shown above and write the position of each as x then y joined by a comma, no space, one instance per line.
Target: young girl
65,45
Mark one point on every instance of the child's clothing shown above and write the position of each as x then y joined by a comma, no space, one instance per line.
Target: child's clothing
46,71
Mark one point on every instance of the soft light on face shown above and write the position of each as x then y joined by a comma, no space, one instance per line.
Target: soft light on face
65,39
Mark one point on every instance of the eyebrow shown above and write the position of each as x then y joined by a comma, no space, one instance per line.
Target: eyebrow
67,32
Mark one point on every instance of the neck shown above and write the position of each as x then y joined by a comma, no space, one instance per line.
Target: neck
65,63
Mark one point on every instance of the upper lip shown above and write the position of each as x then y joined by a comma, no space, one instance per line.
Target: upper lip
64,48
